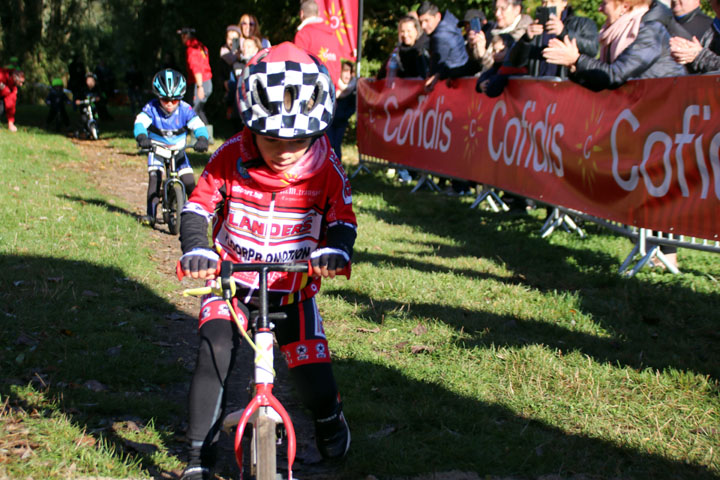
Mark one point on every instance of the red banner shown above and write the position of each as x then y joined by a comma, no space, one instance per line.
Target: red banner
342,16
646,154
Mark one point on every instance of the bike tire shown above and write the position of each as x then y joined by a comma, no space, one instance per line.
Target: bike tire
93,131
176,202
265,443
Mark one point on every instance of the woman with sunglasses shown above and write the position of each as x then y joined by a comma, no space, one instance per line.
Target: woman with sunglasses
167,119
249,28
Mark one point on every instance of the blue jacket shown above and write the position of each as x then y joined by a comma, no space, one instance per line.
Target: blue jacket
647,57
171,129
448,56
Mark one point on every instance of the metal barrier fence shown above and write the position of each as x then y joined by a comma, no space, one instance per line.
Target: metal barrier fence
647,242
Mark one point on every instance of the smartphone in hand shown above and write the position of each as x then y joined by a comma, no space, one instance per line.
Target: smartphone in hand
475,24
542,14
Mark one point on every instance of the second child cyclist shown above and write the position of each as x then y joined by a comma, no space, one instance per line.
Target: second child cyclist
275,192
167,119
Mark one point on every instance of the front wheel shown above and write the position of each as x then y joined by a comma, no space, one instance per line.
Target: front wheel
93,130
174,206
264,445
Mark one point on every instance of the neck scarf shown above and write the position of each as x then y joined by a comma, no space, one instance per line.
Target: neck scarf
306,167
620,34
508,29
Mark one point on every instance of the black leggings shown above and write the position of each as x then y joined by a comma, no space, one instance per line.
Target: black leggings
154,184
219,341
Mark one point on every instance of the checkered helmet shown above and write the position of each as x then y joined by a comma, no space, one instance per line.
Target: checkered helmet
286,93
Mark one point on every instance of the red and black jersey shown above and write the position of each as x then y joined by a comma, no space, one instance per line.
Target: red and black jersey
263,216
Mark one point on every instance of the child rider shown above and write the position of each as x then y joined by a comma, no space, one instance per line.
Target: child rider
167,119
275,192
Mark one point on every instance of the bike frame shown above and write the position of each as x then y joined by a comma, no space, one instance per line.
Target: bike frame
88,111
263,403
171,176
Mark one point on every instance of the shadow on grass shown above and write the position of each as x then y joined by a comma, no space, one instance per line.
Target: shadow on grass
93,339
438,431
100,348
98,202
652,324
161,227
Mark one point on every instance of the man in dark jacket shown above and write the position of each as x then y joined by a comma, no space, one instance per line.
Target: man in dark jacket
648,56
448,57
688,14
528,51
700,56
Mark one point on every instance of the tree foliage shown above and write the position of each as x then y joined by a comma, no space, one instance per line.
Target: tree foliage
46,34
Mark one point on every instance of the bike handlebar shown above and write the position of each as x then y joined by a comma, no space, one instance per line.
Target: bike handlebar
298,267
156,144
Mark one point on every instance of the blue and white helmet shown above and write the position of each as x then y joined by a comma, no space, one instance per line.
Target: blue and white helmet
286,93
169,83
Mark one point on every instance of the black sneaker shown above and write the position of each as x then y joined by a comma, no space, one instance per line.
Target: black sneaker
195,472
332,436
201,459
147,220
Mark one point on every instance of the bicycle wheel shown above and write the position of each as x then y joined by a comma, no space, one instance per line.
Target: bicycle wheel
93,130
175,203
265,443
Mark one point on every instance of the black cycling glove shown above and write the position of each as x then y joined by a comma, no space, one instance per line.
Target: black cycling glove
199,259
332,258
201,145
143,141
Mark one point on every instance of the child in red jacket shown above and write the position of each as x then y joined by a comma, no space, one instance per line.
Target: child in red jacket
276,192
10,81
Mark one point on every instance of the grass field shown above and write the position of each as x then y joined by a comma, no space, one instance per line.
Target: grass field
462,342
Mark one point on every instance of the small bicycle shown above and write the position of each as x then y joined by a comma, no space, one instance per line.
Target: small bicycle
89,117
173,196
269,420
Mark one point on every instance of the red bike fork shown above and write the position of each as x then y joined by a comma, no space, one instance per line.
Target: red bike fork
265,398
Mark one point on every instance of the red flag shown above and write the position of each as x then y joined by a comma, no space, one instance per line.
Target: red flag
342,17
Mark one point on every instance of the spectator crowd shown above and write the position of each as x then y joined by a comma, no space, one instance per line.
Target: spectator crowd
639,39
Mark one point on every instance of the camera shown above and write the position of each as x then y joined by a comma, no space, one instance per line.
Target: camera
475,24
235,44
542,14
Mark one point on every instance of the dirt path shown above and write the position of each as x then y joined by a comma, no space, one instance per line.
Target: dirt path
124,176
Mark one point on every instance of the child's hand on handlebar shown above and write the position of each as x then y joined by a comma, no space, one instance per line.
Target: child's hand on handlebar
326,262
143,141
201,144
200,263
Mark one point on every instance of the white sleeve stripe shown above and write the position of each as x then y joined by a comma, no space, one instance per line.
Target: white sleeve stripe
344,224
193,207
202,252
143,119
195,123
323,251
